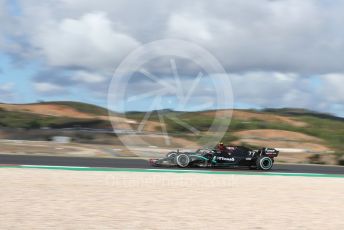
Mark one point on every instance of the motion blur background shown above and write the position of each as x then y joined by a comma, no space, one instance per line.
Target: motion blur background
284,59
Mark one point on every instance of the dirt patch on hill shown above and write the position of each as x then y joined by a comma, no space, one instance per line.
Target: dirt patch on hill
2,135
49,110
246,116
277,135
143,125
159,140
281,139
61,111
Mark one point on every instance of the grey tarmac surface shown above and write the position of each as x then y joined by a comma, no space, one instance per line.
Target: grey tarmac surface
142,164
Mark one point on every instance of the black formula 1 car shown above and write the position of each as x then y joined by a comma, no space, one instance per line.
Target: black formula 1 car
233,156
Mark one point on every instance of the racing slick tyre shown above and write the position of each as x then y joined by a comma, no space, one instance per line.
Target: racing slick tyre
182,160
264,163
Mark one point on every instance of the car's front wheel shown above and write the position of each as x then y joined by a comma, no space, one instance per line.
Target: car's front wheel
264,163
182,160
171,154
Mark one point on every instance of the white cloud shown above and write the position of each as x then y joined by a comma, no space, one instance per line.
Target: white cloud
48,88
333,87
7,86
276,89
186,27
271,48
6,20
6,92
270,89
88,78
266,35
86,42
244,35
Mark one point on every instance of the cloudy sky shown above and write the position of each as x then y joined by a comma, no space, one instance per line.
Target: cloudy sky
277,53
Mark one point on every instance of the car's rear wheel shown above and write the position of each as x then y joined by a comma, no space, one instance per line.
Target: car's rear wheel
264,163
183,160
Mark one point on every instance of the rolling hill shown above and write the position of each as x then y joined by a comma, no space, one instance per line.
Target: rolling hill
313,133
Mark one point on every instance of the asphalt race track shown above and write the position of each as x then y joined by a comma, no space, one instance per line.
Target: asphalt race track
142,164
